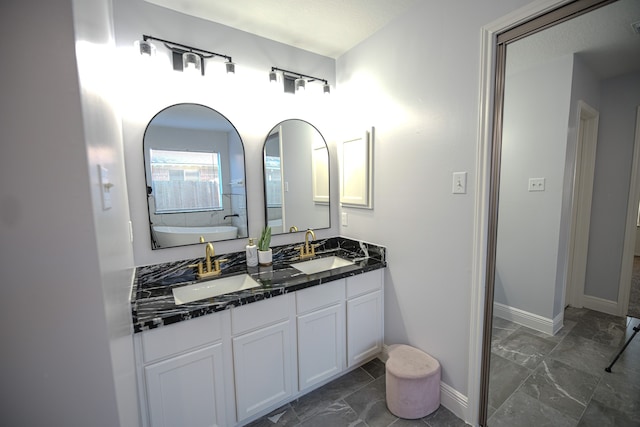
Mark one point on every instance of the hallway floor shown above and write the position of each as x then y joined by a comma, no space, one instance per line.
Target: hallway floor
355,399
542,380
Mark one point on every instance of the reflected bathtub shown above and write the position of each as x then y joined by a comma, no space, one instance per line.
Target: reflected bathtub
167,236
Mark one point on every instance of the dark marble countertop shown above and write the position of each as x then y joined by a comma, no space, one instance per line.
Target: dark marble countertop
152,297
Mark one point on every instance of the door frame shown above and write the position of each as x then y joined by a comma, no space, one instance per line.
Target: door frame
584,171
485,203
628,249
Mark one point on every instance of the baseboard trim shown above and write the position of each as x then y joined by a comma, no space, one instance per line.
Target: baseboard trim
530,320
600,304
450,398
454,401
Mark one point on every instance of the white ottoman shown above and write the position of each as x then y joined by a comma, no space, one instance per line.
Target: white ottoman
412,381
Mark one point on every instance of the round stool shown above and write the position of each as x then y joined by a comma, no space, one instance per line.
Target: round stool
412,382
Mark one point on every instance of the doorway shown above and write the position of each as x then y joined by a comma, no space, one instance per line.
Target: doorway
490,173
581,210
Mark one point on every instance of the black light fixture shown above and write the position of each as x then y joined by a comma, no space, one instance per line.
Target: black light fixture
184,57
295,82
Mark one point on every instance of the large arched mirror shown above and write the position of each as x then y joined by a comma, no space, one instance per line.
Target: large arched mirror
296,178
195,174
561,197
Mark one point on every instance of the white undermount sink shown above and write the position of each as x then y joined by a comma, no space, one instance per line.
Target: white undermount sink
321,264
212,288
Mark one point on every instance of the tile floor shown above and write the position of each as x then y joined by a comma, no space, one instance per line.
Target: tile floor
536,380
541,380
356,399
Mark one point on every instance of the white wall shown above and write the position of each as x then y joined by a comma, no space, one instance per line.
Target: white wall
246,99
66,264
416,81
536,115
619,98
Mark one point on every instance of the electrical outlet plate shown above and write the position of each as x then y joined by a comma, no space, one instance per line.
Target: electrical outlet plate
536,184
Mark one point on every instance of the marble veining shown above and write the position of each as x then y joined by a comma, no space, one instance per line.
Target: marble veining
152,299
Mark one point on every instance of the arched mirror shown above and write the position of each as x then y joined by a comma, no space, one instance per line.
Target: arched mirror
296,178
195,174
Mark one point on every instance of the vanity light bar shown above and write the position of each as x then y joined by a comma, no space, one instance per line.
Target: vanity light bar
300,79
181,51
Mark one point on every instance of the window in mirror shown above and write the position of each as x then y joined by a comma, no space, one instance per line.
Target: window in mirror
184,181
195,174
296,178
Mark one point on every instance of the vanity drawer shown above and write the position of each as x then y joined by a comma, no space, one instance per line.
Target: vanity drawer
182,336
364,283
258,314
320,296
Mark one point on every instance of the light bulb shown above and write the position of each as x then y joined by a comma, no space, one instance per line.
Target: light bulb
191,63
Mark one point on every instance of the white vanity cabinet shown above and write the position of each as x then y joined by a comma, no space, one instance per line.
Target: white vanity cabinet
321,333
365,317
184,379
231,367
264,356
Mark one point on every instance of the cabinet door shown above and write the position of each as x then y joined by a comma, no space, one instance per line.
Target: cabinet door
187,390
364,327
262,368
320,345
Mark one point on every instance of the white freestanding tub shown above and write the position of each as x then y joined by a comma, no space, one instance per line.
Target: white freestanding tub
167,236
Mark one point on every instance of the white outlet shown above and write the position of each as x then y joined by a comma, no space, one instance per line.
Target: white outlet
536,184
345,219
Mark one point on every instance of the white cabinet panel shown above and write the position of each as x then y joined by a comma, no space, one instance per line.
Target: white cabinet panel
259,314
187,390
182,336
320,345
320,296
364,283
364,327
263,368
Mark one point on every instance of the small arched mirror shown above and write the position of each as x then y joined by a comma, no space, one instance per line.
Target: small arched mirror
195,174
296,178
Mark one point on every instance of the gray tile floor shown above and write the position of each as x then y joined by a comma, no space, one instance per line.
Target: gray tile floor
541,380
356,399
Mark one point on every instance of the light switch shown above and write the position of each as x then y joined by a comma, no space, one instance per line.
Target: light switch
105,187
459,183
536,184
345,219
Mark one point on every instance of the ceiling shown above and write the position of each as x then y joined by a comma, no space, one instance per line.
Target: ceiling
326,27
604,39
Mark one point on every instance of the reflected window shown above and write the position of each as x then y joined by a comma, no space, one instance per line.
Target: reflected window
186,181
273,181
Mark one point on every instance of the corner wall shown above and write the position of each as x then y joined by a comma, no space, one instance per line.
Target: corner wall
58,352
619,98
534,143
416,81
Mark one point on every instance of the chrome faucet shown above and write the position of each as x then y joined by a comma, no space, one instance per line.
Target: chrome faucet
308,250
210,270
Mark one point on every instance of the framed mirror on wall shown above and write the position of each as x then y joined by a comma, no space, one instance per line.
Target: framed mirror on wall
296,178
195,173
552,319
